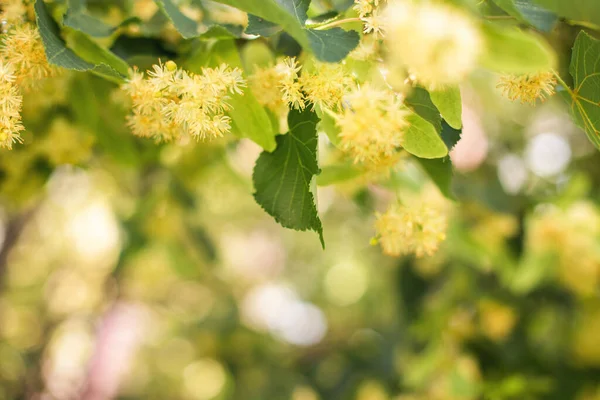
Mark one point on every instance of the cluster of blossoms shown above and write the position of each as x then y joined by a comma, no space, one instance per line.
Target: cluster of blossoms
569,238
438,44
10,107
371,125
528,88
368,12
171,103
23,66
405,230
324,85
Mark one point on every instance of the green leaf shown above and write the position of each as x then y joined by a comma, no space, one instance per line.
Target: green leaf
422,140
282,179
584,99
420,102
449,103
77,18
329,127
184,25
250,119
58,53
527,11
272,11
575,10
332,45
513,51
261,27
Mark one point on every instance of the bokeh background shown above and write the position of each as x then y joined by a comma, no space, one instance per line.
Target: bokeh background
131,270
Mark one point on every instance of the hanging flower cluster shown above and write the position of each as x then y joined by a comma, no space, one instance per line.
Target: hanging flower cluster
10,107
404,230
170,103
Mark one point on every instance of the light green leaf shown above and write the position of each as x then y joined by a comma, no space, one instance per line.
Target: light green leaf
282,179
58,53
333,174
422,140
184,25
586,11
584,99
514,51
448,102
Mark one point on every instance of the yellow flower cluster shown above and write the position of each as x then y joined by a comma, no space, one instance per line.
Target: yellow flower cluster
22,47
438,44
372,125
12,10
570,237
10,107
368,13
171,103
528,88
324,85
409,230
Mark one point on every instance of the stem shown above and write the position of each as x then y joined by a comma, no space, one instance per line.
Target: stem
560,80
334,23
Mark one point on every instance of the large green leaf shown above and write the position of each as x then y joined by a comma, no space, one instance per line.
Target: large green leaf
250,119
514,51
58,53
584,99
422,140
529,12
448,102
575,10
92,52
282,179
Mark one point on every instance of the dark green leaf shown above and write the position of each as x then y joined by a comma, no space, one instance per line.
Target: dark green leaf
77,18
332,45
420,102
584,99
58,53
261,27
93,52
282,179
529,12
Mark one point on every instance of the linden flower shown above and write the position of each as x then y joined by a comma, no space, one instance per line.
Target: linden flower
10,107
365,7
403,230
435,42
371,125
22,47
12,10
264,83
528,88
170,102
326,84
289,85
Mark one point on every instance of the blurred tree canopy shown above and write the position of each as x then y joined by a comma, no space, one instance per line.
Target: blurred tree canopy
436,162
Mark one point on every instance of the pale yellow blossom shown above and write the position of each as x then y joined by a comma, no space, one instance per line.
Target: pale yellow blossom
528,88
10,107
